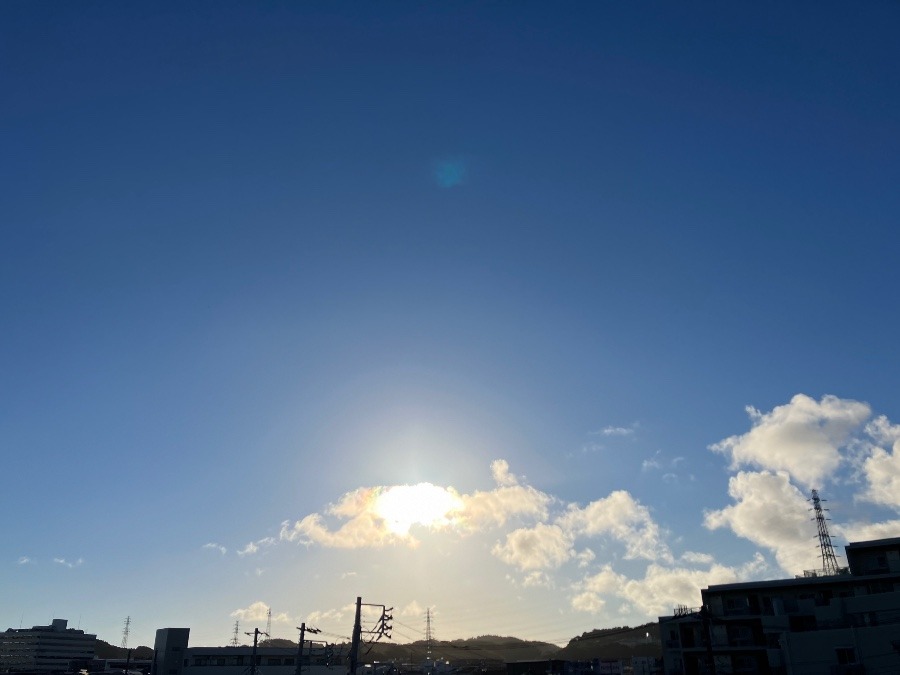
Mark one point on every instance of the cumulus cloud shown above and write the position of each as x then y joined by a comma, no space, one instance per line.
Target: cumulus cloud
803,444
622,517
379,516
770,512
259,611
865,531
882,467
803,437
539,547
661,588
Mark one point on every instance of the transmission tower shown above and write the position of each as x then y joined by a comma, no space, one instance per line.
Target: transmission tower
235,642
126,632
829,559
269,623
429,634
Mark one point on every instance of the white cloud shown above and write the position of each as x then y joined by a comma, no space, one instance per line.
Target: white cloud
379,516
412,609
659,591
586,557
325,616
770,512
259,611
882,467
694,558
540,547
803,437
500,473
215,547
617,431
68,563
621,516
867,531
25,560
652,463
254,546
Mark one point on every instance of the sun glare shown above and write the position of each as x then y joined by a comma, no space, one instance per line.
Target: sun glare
402,506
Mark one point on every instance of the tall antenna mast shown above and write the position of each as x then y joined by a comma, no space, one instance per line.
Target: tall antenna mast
235,642
829,559
269,623
126,632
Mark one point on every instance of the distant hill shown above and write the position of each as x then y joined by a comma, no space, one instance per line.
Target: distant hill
488,650
104,650
614,643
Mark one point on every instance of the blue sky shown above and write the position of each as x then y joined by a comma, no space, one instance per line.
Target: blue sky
616,281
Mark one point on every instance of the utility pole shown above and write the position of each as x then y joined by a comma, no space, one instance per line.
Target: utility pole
302,628
382,629
256,633
357,633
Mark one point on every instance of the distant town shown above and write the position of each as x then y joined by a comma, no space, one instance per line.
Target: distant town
833,620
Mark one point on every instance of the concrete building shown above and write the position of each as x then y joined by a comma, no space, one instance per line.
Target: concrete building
45,649
173,656
841,624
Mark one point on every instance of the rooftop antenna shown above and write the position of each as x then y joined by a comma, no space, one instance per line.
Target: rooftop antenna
234,638
126,632
829,559
269,623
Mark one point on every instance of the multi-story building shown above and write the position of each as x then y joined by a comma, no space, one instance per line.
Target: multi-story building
815,624
45,649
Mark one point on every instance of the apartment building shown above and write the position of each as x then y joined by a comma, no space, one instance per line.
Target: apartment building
844,624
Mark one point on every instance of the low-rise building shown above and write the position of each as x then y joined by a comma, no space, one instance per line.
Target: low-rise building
45,649
173,656
815,624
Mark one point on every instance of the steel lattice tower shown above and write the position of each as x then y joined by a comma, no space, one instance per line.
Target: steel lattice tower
126,632
829,559
429,636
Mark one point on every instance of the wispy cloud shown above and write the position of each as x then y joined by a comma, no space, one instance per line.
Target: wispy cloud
68,563
215,547
616,431
25,560
254,546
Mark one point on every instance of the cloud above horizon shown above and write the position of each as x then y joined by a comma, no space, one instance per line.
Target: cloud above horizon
548,542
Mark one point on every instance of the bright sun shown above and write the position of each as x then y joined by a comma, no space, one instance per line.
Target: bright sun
402,506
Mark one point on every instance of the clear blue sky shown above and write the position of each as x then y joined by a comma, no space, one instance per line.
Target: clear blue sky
260,258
